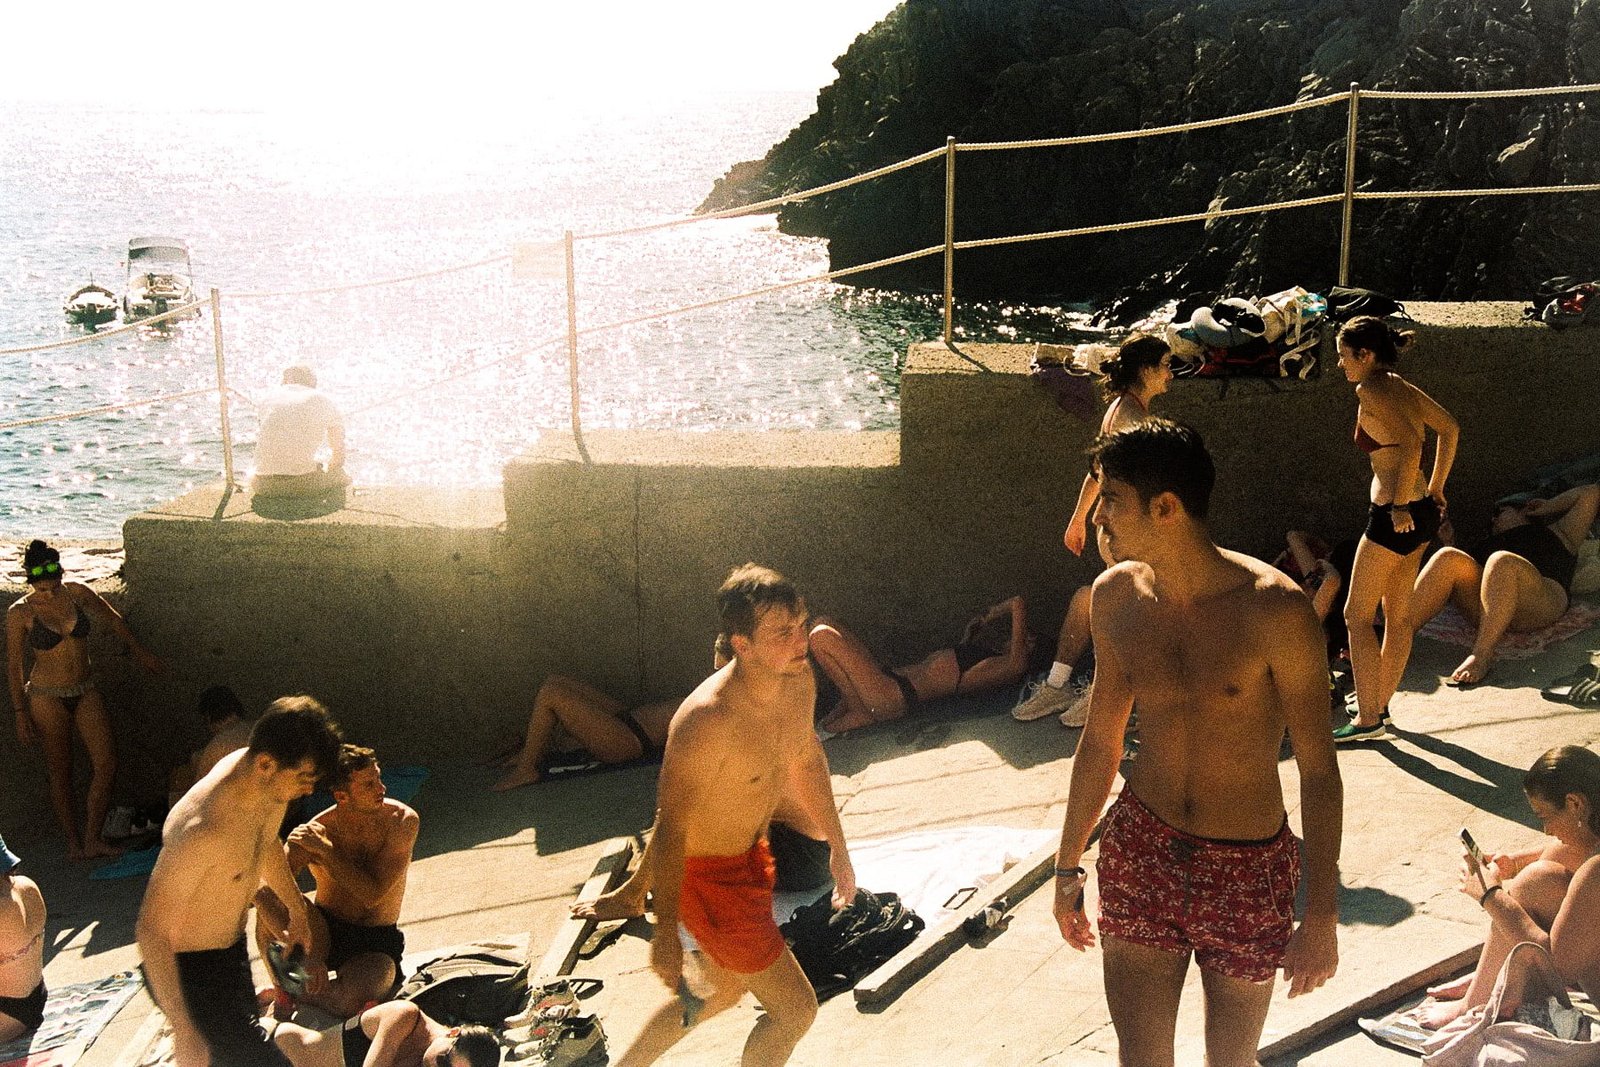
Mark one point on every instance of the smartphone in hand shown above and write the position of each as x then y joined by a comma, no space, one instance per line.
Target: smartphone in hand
1478,861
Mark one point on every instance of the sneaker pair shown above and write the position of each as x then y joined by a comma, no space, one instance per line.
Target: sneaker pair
557,1000
1040,698
1078,712
576,1042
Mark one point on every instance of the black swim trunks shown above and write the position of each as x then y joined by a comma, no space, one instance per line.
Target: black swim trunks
1424,524
354,1041
28,1010
347,939
221,1001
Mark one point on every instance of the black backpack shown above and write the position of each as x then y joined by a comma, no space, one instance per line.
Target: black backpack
836,949
1347,303
485,988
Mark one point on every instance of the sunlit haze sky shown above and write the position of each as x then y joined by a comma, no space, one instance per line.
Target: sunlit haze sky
344,55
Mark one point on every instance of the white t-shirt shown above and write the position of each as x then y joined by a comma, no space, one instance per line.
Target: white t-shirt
294,423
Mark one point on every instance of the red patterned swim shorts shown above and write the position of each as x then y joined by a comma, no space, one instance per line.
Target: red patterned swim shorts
1231,903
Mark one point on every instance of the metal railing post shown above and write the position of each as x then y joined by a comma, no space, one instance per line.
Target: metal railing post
1349,184
572,349
222,387
949,238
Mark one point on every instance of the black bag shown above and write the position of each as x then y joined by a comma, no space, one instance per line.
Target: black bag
1346,303
485,988
836,949
1563,301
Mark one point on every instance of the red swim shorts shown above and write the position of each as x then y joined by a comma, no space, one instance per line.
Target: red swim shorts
1231,903
726,903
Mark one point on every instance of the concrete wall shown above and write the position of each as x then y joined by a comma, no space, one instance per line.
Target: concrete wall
427,618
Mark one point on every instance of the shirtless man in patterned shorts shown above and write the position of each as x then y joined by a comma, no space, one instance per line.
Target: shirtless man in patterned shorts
1221,653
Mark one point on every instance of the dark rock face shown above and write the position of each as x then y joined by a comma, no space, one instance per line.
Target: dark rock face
996,70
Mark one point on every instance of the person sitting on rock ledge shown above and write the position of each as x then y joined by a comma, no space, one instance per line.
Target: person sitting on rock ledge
1518,579
297,419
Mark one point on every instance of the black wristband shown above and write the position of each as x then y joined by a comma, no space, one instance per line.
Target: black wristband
1071,872
1487,893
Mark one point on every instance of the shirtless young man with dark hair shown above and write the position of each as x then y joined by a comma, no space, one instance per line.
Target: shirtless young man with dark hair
1221,653
220,846
359,851
741,744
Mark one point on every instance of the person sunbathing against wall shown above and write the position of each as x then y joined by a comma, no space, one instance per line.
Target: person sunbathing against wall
1548,895
569,714
993,652
1323,574
359,851
22,916
393,1034
1519,578
225,721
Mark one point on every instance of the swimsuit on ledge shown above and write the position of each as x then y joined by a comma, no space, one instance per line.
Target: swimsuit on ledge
1231,903
28,1010
726,903
347,939
1424,524
221,1000
44,639
1537,544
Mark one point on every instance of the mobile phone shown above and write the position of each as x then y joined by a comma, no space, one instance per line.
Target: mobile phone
1478,862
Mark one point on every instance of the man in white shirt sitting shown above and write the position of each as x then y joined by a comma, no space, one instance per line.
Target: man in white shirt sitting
296,420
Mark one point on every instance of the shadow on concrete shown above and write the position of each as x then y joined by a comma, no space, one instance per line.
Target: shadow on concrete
1371,906
1489,784
297,508
94,916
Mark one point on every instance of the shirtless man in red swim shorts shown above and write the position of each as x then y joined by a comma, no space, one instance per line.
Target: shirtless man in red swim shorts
741,744
1221,653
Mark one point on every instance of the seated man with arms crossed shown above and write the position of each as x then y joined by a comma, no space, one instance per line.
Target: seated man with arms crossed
359,851
221,845
22,915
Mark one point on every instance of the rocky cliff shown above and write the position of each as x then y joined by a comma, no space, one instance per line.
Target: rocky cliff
991,70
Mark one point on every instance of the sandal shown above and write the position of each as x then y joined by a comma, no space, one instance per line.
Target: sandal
1581,688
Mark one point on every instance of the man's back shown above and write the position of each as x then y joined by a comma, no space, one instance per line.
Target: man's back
295,420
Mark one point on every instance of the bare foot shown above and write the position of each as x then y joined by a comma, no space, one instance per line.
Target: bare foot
1452,990
514,780
101,850
616,904
1473,669
1437,1014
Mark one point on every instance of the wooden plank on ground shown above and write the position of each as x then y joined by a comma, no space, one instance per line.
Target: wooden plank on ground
609,870
138,1050
1394,991
916,959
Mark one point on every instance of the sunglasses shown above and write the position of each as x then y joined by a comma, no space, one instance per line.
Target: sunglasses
42,570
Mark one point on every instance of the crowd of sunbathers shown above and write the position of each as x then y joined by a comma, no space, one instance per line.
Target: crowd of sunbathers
742,756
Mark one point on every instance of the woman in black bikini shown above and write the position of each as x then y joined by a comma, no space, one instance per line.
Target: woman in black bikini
1518,579
57,693
992,652
1391,423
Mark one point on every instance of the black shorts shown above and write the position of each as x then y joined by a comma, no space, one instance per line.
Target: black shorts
1424,525
220,998
28,1010
347,939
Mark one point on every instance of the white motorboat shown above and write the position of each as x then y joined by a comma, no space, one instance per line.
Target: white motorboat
159,278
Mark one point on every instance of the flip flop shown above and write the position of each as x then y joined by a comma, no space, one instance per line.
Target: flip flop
1581,688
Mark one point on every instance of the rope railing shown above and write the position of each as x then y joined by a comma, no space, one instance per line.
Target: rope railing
107,409
1144,224
1470,94
100,335
352,286
1514,190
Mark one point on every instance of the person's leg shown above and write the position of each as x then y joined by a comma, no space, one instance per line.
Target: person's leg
1512,596
1143,987
1539,888
363,978
1369,578
1398,631
790,1005
51,719
559,700
1449,577
94,726
665,1026
1053,695
867,693
628,899
309,1048
1236,1013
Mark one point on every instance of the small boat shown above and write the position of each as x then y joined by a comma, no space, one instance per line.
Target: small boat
159,278
91,305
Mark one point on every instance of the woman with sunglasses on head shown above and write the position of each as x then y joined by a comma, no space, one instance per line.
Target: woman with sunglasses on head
1393,419
56,691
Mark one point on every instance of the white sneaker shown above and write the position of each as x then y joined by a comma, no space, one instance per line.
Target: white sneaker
1078,713
1042,699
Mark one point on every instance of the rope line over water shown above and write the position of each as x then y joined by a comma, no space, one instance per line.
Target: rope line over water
100,335
107,409
1113,227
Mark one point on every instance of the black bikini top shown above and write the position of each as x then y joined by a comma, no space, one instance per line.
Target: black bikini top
1366,442
44,639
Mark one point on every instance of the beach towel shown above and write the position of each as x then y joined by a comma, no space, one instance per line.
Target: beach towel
1452,627
403,784
74,1016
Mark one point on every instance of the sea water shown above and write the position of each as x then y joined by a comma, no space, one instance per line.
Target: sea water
442,379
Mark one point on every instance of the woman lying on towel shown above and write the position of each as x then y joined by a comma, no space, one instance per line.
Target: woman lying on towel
1518,579
392,1034
1548,895
993,652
